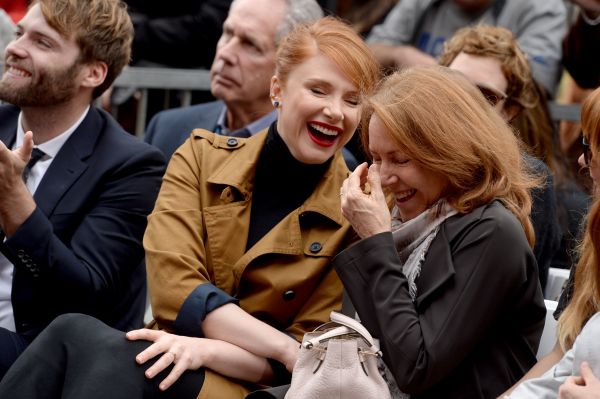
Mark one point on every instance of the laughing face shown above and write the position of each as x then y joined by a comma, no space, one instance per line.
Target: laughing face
41,66
415,187
319,111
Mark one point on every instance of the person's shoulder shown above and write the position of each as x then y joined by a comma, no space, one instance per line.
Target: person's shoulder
208,152
493,217
8,111
536,165
169,128
196,114
208,139
119,142
536,7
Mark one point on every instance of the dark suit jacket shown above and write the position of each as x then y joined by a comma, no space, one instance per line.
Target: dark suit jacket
475,325
169,129
81,249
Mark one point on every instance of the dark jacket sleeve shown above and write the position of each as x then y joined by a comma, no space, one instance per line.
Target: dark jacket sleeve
203,300
425,341
580,53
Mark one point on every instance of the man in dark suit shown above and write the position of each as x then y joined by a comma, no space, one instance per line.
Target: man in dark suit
240,76
75,193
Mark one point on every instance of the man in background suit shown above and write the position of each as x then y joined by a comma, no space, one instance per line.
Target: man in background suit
71,223
240,76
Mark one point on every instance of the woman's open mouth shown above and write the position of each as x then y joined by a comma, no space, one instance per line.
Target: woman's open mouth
323,134
405,195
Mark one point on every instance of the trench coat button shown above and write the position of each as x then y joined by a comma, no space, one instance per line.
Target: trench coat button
20,253
289,295
232,142
315,247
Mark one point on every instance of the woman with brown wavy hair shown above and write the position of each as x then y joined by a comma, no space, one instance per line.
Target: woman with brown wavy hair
579,323
447,282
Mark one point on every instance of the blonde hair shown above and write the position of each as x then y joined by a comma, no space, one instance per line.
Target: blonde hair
437,117
337,41
101,28
586,290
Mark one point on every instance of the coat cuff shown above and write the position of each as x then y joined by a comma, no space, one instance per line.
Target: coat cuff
28,245
203,300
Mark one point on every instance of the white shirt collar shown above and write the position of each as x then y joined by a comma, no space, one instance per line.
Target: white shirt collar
52,146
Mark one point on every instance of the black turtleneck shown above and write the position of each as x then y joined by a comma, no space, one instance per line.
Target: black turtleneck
282,184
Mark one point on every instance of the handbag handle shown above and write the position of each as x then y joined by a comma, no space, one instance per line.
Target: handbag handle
348,326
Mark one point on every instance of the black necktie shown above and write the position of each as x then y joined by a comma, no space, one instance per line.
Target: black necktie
36,155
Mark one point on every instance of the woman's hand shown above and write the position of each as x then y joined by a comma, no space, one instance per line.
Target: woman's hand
16,203
186,352
587,386
367,211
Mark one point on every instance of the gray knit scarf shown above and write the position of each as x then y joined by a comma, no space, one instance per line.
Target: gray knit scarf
414,237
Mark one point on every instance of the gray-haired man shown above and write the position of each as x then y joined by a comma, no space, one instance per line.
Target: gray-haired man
240,74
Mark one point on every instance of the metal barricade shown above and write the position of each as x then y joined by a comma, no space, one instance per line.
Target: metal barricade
145,78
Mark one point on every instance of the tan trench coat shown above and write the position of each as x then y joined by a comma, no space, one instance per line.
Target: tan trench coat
198,230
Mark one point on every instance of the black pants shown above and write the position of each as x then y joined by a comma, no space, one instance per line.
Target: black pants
77,357
12,345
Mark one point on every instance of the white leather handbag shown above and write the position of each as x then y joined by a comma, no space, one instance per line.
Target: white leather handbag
338,360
